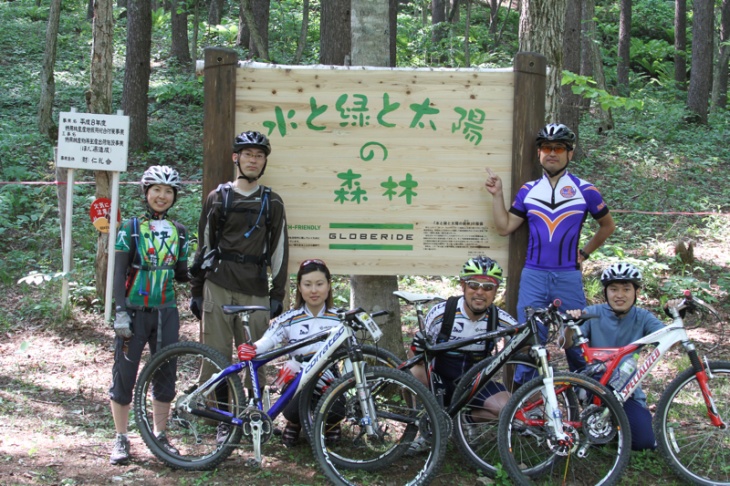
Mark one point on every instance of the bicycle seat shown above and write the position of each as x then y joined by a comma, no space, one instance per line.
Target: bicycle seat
236,309
415,298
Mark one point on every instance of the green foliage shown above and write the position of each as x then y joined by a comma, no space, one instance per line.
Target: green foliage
585,86
183,90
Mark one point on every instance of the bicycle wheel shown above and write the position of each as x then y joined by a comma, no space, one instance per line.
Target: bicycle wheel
339,365
170,376
698,451
403,409
475,431
598,444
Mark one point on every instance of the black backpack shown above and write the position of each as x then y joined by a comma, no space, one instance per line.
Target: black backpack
447,325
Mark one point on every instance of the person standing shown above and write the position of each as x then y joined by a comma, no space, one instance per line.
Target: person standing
150,253
555,208
241,234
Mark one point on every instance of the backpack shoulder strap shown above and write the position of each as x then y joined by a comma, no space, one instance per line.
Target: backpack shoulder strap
134,243
448,322
181,234
225,191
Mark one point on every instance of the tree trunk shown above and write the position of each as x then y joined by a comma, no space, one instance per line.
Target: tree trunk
439,28
541,31
257,28
592,63
137,72
196,30
180,48
302,34
467,21
244,35
48,81
99,100
370,47
261,12
215,12
680,44
700,82
624,45
570,106
719,85
335,33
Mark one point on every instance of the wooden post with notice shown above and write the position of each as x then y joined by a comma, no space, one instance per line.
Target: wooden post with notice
529,115
218,116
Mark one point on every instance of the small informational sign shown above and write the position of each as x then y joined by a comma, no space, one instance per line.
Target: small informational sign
99,213
92,141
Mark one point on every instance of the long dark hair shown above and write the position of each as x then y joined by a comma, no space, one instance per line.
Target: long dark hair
309,266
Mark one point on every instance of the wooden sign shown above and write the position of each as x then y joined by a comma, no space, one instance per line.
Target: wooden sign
382,170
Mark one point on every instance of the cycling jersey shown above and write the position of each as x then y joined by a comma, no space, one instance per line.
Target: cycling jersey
158,256
555,217
295,325
454,364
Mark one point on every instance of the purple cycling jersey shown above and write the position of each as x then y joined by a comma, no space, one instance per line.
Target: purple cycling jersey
555,217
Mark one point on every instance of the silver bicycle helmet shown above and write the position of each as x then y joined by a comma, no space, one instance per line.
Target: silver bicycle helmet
161,174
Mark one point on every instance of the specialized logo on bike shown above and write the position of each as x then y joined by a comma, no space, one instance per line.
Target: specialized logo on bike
568,191
324,349
645,366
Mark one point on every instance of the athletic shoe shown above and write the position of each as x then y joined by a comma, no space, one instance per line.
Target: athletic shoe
120,451
165,444
418,446
290,436
224,430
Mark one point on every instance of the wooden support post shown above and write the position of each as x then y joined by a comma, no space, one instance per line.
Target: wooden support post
529,116
219,116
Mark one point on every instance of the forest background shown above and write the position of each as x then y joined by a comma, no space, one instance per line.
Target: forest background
647,97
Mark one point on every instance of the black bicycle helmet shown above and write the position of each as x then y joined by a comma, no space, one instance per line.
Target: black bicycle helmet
621,272
556,132
481,266
251,139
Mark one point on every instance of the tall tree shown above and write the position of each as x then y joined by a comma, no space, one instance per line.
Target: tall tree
215,12
592,63
370,47
137,71
180,48
48,81
439,29
541,30
99,100
680,44
719,85
624,47
244,35
258,26
570,106
698,96
302,42
334,32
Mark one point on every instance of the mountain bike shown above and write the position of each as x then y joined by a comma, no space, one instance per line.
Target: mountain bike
691,416
476,434
372,427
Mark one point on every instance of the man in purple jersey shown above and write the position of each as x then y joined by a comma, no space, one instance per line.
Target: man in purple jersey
555,208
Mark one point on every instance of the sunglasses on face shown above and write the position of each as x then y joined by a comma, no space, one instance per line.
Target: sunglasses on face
474,285
558,149
314,261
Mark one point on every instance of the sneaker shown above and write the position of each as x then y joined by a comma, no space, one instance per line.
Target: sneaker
165,444
120,451
290,436
224,430
418,446
332,434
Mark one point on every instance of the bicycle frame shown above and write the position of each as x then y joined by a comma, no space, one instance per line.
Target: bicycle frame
663,340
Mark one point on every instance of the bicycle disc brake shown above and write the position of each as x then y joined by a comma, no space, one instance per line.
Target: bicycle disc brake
597,424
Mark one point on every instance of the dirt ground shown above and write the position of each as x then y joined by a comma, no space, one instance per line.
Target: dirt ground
56,428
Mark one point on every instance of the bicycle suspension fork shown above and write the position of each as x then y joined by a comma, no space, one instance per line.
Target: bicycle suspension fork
704,374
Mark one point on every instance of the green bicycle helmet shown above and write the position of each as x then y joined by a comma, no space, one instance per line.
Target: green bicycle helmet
481,267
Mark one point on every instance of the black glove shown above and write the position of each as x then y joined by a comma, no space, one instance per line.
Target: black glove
418,345
276,307
196,307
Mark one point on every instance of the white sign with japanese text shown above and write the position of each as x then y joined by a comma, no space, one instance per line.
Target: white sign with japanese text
91,141
382,170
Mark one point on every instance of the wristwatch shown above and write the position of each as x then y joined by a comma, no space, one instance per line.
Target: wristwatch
585,255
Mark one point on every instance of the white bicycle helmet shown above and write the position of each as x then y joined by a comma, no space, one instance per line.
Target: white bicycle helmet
162,175
621,272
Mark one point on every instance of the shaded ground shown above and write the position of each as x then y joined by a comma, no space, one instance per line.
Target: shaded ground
56,428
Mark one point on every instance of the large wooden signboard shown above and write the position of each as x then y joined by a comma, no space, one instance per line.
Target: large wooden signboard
382,170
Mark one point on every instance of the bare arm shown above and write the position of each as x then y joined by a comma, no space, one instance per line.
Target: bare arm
505,221
606,227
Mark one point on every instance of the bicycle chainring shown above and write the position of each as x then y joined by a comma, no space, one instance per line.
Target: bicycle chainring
598,429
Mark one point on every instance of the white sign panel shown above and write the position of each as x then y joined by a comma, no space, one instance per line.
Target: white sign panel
91,141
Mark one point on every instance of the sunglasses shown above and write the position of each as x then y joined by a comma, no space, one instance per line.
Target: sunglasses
474,285
558,149
314,261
